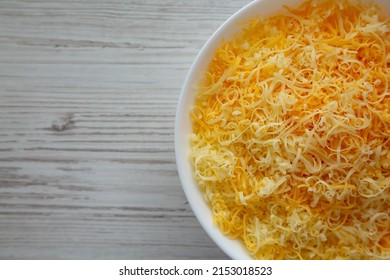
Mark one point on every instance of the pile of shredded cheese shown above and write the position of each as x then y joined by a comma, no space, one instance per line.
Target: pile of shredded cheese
291,126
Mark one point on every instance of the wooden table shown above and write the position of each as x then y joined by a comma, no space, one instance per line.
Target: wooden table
88,95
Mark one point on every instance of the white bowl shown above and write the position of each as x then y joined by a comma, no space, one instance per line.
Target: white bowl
183,125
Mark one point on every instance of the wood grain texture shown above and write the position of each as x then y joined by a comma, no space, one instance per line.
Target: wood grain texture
87,104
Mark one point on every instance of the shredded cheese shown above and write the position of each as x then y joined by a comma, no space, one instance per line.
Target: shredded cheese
291,126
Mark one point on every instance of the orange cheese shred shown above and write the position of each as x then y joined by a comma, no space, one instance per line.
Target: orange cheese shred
291,126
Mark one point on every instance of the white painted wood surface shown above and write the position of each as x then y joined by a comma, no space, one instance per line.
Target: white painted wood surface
88,96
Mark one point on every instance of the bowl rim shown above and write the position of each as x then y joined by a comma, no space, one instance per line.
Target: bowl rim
217,237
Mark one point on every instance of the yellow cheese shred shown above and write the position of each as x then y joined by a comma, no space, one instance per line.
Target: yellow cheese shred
291,126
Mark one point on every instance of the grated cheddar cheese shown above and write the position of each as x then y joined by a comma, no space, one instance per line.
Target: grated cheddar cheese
291,126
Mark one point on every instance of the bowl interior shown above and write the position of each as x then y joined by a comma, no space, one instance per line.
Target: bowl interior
183,125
